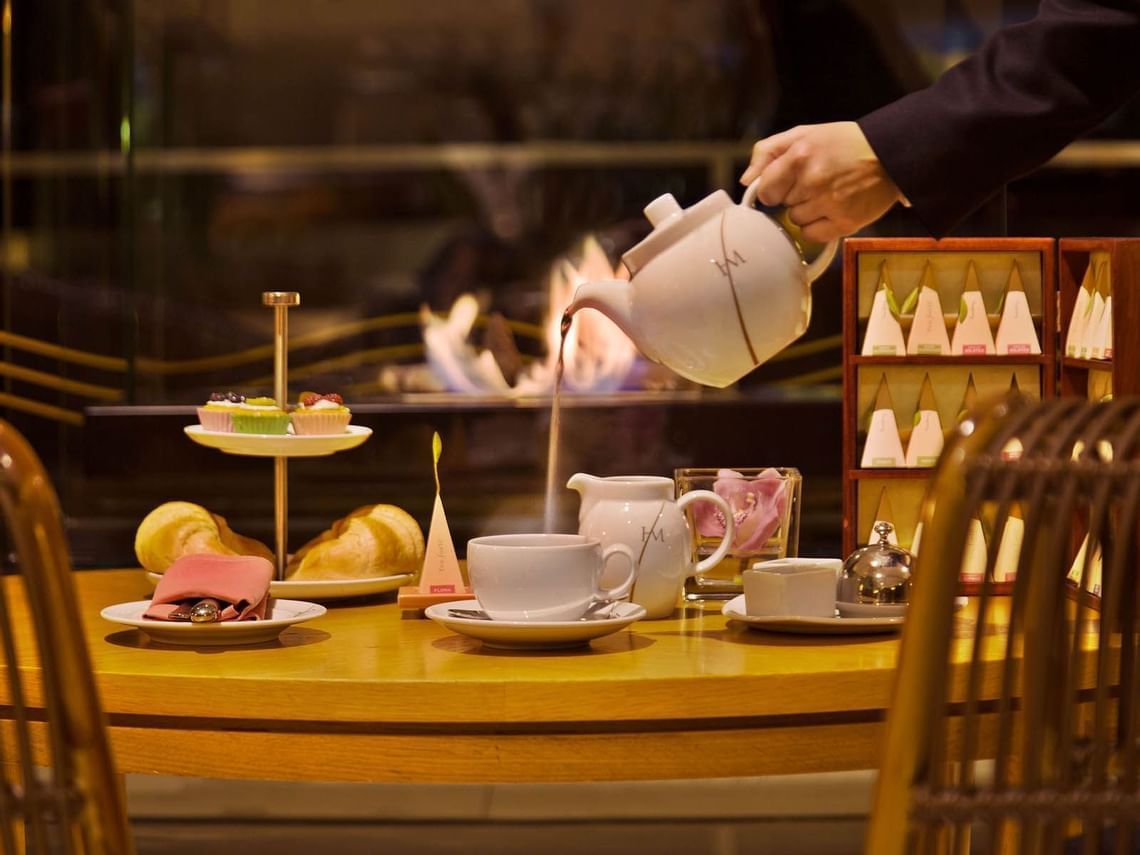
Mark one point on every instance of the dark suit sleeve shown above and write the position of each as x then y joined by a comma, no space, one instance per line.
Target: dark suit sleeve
1027,92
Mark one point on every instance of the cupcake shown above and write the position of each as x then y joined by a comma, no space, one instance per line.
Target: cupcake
260,415
215,413
320,414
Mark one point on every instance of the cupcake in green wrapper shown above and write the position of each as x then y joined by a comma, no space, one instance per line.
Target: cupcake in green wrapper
260,415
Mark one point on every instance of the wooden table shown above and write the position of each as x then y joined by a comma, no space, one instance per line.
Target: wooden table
366,694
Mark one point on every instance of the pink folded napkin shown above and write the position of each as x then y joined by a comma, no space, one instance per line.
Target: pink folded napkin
240,584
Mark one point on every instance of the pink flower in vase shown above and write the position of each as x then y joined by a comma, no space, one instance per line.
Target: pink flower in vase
758,506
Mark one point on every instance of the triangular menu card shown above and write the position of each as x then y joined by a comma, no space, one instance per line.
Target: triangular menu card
883,513
1081,308
884,335
974,553
928,328
972,336
1009,548
1017,334
441,580
883,448
926,439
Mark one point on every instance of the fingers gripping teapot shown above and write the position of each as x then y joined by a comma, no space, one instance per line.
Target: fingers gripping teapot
716,288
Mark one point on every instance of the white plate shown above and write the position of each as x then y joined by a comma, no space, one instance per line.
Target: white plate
853,610
278,445
734,610
533,635
285,614
327,589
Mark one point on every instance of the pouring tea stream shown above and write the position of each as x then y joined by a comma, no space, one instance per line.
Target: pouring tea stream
715,289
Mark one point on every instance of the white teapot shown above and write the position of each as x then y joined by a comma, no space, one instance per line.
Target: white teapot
716,289
639,511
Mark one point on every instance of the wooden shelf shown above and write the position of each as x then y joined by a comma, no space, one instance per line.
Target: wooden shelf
1028,359
904,488
1088,364
885,474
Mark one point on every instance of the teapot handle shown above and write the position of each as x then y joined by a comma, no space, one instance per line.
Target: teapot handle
818,264
729,525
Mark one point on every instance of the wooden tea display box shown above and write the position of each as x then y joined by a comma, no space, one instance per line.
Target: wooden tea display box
898,375
1094,363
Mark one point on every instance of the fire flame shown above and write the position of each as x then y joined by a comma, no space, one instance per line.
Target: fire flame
598,357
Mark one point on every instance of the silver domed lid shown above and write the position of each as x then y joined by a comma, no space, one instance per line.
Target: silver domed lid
877,574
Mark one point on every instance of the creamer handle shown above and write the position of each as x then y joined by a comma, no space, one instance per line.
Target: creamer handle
729,525
819,263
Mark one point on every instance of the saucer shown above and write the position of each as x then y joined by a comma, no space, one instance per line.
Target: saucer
285,614
870,610
734,610
326,589
533,635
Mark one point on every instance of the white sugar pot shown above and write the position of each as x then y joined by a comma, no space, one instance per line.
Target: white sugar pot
715,289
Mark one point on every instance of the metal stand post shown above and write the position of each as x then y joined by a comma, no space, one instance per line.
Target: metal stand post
281,301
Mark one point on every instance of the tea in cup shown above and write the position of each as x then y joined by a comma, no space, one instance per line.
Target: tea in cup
543,577
792,587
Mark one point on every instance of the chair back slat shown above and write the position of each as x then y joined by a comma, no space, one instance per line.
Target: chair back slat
79,805
1020,728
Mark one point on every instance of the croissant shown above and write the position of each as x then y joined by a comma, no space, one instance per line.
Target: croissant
174,529
374,540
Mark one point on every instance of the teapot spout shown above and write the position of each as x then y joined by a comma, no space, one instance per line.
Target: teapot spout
612,297
579,481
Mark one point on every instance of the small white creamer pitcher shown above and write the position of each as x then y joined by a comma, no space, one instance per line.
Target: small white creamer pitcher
640,511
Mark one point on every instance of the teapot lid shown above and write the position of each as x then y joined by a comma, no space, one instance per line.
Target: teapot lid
670,223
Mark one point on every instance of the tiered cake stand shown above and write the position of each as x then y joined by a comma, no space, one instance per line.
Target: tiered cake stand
281,448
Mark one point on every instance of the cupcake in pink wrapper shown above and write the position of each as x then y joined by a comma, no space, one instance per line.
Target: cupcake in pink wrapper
216,414
320,414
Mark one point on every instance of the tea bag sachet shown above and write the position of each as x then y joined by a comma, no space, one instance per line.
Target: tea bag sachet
883,448
1079,320
1009,547
441,580
1100,385
972,336
926,439
1013,448
928,328
973,568
883,513
1095,571
1098,333
884,335
969,399
1017,334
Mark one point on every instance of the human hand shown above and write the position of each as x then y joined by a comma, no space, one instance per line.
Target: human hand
826,175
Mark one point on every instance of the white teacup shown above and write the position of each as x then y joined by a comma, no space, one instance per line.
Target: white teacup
802,587
543,577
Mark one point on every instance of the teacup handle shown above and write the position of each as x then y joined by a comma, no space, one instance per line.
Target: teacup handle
618,591
729,525
818,264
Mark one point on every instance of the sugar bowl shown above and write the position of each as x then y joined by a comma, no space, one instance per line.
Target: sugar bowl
876,578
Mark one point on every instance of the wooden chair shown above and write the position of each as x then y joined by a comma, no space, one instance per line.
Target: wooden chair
76,804
1032,746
